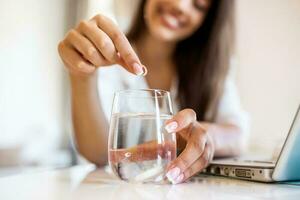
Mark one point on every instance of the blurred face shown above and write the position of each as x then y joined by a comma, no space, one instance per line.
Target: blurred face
174,20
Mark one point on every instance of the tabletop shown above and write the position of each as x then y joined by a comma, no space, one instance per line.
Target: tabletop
87,182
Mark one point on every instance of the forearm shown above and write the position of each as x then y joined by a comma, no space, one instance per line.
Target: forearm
89,122
227,138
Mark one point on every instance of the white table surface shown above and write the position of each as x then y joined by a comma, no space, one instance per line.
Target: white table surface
86,182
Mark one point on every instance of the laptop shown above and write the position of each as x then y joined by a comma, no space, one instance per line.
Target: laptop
285,168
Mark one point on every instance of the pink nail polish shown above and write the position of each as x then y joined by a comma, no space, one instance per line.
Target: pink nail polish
138,69
179,179
173,174
171,127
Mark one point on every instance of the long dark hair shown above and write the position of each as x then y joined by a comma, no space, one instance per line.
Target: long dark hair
201,60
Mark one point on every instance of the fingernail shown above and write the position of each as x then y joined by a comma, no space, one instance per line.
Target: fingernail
145,70
173,174
179,179
171,127
138,69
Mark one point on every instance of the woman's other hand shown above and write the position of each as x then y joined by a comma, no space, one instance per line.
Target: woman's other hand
98,42
199,149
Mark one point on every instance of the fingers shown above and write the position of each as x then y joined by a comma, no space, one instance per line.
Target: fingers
73,59
121,44
197,154
194,149
101,40
100,43
85,47
180,121
199,164
176,175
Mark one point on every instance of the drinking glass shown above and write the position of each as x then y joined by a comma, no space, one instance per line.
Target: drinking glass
139,147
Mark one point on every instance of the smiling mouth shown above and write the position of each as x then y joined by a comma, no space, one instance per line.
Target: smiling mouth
169,20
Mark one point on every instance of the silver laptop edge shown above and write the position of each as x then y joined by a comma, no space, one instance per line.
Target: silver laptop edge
284,169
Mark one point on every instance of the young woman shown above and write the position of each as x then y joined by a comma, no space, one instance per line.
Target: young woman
184,45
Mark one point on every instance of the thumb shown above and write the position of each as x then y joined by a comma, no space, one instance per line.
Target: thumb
181,122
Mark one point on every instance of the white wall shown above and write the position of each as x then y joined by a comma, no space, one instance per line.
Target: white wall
32,86
268,48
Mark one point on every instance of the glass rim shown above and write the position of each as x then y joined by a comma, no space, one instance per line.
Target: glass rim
159,92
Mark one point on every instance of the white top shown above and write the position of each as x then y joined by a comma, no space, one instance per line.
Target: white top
115,78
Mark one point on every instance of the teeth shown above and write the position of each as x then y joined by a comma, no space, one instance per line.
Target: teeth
171,20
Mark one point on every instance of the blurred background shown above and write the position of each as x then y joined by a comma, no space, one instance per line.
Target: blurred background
35,127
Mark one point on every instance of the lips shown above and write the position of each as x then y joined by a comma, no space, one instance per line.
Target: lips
170,18
170,21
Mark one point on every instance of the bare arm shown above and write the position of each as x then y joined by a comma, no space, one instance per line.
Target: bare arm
228,139
92,44
89,122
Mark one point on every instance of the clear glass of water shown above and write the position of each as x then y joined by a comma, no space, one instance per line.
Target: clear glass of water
139,147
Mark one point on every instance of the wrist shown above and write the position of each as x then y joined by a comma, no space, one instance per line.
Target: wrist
83,84
83,79
211,132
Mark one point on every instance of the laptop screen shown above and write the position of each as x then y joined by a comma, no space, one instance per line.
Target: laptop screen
288,164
